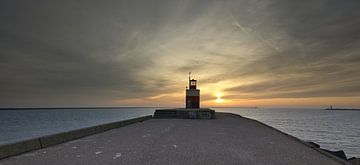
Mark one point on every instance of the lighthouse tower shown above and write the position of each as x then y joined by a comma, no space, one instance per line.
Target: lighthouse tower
192,95
192,109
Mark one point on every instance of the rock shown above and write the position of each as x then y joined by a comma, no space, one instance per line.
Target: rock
339,154
312,144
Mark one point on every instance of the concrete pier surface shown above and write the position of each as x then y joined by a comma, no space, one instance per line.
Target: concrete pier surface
228,139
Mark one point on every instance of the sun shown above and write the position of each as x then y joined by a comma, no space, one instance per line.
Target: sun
219,100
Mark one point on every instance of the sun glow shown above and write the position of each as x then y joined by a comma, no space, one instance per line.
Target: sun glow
219,100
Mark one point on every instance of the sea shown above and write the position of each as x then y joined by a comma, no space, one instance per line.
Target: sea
332,130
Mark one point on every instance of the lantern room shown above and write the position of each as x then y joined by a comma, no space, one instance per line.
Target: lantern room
192,84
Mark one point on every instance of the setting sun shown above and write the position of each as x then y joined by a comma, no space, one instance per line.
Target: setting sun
218,98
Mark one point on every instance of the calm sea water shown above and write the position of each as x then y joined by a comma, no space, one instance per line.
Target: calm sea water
333,130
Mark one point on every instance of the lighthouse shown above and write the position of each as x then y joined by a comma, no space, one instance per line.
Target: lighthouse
192,109
192,95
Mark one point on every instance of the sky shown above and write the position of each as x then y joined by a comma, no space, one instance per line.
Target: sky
139,52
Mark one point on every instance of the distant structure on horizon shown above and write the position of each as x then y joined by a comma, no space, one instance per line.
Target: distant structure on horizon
332,108
192,94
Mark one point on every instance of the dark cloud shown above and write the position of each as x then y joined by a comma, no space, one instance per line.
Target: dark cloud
325,64
97,52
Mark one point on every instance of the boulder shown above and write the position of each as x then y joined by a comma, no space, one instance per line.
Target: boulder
339,154
312,144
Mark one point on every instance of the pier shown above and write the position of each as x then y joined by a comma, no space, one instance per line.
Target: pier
228,139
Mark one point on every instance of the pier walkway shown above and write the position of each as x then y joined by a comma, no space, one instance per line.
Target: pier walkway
229,139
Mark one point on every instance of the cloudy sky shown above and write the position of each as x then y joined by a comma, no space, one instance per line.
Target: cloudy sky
139,52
